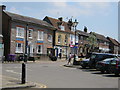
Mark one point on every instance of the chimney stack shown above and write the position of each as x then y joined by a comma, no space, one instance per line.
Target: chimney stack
3,7
61,19
85,29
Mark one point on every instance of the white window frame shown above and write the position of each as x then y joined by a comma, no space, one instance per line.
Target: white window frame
40,37
66,39
18,29
30,33
49,39
72,29
19,50
38,48
59,41
62,27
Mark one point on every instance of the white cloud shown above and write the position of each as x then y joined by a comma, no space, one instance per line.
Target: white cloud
14,10
59,4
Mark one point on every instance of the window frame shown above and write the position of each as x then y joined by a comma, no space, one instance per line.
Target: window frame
50,40
30,33
17,32
17,50
42,33
38,48
59,41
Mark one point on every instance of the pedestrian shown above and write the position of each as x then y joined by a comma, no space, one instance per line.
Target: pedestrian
60,55
69,59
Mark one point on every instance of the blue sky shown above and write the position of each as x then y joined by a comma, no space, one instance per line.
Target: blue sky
99,17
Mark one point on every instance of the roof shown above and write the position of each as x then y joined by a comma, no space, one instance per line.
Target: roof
28,19
112,40
54,22
103,53
82,33
100,37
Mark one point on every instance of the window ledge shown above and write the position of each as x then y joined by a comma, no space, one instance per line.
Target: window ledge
18,52
40,39
19,37
30,37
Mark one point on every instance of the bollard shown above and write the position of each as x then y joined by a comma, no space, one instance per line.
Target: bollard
23,73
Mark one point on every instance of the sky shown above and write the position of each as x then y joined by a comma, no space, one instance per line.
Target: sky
99,17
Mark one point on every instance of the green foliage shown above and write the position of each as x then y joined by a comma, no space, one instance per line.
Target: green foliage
92,41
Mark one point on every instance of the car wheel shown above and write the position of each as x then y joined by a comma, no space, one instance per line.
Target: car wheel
116,74
108,71
102,71
84,67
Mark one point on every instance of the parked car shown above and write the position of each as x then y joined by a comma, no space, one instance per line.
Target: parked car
84,63
103,66
115,67
95,57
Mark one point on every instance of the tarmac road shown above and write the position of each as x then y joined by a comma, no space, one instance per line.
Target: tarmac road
55,75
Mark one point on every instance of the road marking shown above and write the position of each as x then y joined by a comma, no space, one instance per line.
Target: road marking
11,71
39,85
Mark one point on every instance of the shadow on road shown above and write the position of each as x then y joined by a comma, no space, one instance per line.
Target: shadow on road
111,75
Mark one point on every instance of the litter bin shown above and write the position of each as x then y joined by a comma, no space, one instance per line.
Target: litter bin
11,57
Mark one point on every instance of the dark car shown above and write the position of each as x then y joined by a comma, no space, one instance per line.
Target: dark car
115,67
103,66
84,63
95,57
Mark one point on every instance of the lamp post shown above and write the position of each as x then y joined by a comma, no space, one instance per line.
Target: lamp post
23,79
26,44
75,48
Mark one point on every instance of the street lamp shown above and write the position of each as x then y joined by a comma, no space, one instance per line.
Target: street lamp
23,79
75,48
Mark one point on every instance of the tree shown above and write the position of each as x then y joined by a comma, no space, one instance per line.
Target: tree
92,41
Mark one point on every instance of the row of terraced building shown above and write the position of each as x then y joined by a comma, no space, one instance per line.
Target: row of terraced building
49,36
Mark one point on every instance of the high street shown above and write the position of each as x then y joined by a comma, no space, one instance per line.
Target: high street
55,75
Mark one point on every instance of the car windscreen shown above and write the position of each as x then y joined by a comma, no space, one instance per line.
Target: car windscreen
93,56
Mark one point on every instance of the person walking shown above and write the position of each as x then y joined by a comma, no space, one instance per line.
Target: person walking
60,55
69,59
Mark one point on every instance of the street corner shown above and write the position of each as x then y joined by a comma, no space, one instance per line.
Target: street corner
39,85
14,83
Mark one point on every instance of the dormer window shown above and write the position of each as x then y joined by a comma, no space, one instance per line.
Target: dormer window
61,27
72,29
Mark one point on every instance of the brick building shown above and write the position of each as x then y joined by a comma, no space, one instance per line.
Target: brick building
113,45
82,42
62,36
39,36
103,43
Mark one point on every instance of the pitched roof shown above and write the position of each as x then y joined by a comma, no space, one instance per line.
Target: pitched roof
28,19
117,42
112,40
54,22
83,33
100,37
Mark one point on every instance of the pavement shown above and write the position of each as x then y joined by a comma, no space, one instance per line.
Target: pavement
14,83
